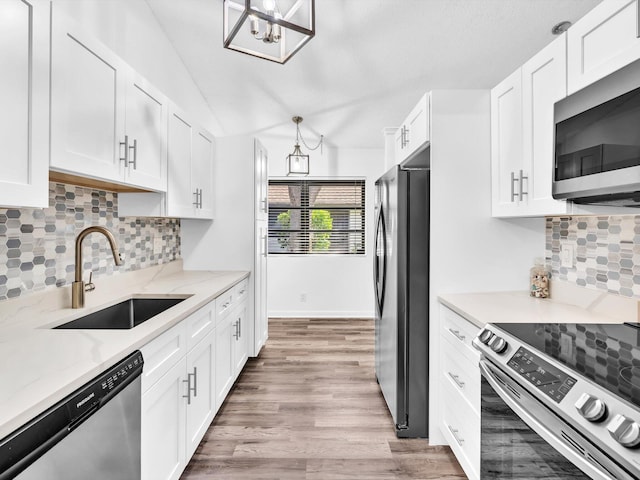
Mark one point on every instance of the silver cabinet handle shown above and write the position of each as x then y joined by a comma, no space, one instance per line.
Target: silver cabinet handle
457,334
195,381
200,199
454,432
236,335
406,136
195,204
456,379
134,147
266,245
263,202
125,144
514,180
189,387
198,194
638,20
522,192
240,327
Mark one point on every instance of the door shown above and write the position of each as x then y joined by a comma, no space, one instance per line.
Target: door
146,128
544,82
201,405
224,375
163,426
387,331
260,286
506,145
87,103
180,195
24,96
202,174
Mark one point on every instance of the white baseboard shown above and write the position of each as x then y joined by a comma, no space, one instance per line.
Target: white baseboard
320,314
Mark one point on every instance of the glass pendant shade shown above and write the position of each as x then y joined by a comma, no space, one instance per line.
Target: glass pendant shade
271,29
297,162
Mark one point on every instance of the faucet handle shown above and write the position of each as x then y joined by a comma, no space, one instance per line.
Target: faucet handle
90,286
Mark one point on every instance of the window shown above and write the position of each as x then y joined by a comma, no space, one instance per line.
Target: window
316,217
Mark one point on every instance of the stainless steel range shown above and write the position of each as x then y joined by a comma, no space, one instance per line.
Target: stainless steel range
560,401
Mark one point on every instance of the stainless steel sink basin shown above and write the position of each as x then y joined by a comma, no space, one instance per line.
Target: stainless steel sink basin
123,315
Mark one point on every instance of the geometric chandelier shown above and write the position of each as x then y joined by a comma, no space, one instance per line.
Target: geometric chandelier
271,29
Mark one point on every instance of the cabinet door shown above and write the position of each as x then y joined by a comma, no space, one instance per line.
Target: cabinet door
24,96
87,103
202,403
261,179
224,343
604,40
543,83
146,129
506,145
202,173
242,337
163,426
261,323
417,126
180,195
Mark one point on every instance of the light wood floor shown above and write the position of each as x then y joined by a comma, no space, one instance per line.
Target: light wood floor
309,408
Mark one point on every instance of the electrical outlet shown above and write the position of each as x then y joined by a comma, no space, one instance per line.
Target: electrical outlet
303,298
566,256
157,245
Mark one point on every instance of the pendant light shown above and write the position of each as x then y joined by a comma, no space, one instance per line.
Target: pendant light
298,162
271,29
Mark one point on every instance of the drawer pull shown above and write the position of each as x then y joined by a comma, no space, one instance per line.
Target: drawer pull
457,334
454,432
456,378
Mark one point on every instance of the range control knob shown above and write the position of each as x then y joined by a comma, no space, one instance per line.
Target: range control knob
498,344
624,431
485,336
591,408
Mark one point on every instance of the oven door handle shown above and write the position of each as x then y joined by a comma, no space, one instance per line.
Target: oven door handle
530,419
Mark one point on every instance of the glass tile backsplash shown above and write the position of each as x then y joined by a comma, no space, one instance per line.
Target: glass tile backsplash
37,246
606,251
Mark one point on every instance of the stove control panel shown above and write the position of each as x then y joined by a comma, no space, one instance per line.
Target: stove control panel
542,375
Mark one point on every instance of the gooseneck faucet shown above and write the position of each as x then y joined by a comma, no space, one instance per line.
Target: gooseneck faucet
78,286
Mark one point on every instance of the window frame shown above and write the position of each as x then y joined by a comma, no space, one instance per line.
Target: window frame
306,211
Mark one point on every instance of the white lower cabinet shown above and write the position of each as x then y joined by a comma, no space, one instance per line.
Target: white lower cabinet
188,372
460,390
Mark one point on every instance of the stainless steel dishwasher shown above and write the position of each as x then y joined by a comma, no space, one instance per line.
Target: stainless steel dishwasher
93,433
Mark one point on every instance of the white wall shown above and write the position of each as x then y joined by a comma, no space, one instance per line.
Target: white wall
334,286
470,250
130,29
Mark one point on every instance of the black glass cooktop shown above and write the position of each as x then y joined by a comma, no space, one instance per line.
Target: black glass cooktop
609,355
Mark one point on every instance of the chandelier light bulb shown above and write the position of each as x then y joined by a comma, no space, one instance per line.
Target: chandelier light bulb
269,6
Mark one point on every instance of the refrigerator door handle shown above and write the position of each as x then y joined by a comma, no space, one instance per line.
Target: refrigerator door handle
380,256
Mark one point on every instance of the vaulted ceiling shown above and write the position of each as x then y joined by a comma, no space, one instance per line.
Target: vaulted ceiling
368,64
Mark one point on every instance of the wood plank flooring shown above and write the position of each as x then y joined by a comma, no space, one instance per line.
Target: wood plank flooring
309,408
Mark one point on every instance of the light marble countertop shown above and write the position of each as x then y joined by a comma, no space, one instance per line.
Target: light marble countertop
568,304
40,366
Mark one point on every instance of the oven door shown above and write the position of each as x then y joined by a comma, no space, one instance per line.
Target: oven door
522,438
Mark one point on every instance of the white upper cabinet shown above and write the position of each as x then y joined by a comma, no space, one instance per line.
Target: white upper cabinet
24,96
191,151
604,40
414,131
106,122
522,135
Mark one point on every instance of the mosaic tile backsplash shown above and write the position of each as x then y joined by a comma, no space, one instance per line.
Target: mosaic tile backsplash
37,246
607,252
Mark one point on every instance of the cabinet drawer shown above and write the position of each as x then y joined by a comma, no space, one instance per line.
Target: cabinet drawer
162,353
240,291
224,303
459,331
461,426
200,323
463,374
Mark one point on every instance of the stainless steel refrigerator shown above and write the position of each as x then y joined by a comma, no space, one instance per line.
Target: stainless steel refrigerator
401,274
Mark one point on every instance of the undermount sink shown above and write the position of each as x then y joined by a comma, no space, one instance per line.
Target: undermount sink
123,315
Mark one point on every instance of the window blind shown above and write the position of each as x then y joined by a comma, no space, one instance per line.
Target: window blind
317,217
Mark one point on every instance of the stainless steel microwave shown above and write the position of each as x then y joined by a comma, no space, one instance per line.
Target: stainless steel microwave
597,142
